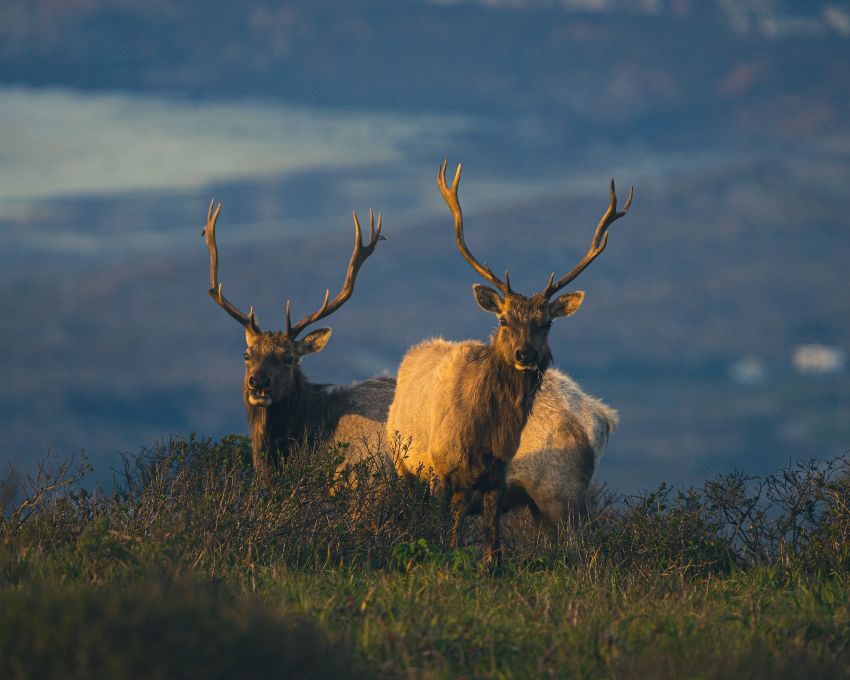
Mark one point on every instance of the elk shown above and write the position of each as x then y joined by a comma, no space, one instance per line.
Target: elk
464,405
283,407
560,447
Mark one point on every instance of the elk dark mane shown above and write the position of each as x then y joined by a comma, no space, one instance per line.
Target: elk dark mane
309,413
504,397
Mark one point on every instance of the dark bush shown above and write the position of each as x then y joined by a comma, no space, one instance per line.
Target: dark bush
661,531
157,630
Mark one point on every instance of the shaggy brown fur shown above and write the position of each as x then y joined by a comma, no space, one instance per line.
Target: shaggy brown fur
284,408
499,399
308,413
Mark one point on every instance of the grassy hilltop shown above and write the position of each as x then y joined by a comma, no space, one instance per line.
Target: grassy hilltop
189,569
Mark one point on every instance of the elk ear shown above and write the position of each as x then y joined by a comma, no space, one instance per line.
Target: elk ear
313,342
567,304
488,299
251,336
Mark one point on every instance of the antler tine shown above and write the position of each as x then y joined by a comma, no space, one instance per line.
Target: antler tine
358,257
247,320
597,245
451,199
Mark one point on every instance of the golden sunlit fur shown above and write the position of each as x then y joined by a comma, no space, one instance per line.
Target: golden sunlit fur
559,448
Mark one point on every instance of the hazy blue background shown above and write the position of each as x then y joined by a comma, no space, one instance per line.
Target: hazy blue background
119,120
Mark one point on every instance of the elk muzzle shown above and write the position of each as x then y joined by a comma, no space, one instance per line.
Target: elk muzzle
526,359
258,394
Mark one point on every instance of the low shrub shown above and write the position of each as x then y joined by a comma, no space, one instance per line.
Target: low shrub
195,504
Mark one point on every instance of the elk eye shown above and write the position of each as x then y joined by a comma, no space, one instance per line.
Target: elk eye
246,356
503,321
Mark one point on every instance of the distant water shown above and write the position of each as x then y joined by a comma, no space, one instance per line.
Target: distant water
95,175
61,142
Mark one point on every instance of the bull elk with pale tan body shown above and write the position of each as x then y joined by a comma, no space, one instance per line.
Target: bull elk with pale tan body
464,405
283,406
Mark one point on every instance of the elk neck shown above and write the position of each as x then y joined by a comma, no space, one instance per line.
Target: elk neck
504,397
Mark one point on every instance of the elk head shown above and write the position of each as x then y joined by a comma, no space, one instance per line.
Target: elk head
522,338
271,358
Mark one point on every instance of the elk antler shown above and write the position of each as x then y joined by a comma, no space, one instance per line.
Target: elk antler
247,320
358,257
597,245
451,199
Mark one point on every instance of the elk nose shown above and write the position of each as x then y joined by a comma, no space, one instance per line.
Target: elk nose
526,357
258,381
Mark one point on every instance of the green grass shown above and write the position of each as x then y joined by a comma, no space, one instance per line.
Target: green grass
574,622
190,569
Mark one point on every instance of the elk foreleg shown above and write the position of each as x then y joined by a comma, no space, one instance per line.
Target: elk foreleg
459,502
491,519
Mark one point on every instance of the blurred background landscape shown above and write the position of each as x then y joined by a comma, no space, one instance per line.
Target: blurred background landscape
716,322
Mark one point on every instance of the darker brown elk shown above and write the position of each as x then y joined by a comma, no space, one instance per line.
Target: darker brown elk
464,405
283,406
